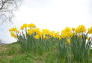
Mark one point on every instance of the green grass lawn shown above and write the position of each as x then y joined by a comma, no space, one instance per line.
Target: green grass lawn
12,53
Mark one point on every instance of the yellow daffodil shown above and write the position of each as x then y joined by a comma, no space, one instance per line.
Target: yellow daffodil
24,26
45,37
45,31
80,29
31,31
27,25
58,36
90,30
31,25
36,36
67,32
88,38
37,30
67,29
13,30
13,34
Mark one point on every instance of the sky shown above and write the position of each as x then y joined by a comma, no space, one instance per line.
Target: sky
54,13
51,14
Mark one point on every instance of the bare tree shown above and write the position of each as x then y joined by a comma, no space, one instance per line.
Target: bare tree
7,8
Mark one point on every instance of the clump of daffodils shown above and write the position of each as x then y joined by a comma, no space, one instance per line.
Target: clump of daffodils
38,33
71,44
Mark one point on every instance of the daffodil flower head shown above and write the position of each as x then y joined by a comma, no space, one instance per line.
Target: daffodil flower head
80,29
36,36
13,30
90,30
67,32
31,31
31,25
24,26
45,31
13,34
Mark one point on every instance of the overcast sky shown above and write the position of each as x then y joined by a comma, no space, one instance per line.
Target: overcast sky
53,14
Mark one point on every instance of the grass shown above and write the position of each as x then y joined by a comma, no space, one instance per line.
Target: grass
11,53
